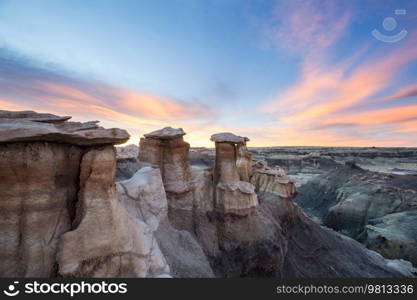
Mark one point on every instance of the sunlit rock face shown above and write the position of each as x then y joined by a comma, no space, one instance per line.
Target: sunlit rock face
167,150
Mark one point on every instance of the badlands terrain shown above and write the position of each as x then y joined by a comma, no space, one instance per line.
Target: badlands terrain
74,205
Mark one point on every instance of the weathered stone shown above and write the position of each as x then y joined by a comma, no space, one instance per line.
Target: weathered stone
106,241
166,133
143,195
227,137
38,184
30,126
232,193
244,163
274,181
167,150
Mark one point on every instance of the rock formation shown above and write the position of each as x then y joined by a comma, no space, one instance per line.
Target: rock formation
62,214
366,206
59,214
167,150
28,126
232,195
274,181
127,161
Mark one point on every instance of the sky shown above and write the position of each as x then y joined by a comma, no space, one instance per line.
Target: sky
283,73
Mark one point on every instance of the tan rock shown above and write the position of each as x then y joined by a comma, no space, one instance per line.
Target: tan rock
231,194
244,162
273,181
106,241
38,183
167,150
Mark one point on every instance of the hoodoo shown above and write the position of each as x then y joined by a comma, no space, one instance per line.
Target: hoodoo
232,195
167,150
59,212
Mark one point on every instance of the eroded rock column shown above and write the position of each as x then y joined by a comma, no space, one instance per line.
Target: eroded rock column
167,150
231,194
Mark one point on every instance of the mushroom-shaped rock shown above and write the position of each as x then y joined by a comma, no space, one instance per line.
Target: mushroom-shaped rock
166,150
231,171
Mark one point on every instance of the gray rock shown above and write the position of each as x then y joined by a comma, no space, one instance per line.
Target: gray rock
30,126
227,137
166,133
393,235
366,206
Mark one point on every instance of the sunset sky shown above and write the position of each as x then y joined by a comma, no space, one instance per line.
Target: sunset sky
280,72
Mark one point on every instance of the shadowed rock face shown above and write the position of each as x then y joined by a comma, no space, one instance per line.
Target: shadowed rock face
366,206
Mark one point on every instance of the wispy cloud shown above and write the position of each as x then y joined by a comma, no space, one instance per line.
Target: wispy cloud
322,101
307,27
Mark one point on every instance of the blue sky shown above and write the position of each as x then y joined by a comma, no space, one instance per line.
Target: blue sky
280,72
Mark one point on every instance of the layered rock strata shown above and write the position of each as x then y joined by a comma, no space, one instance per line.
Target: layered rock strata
167,150
59,214
274,181
366,206
232,195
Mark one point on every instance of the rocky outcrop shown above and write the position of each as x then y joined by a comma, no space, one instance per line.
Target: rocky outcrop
274,181
364,205
106,240
127,161
60,215
27,126
232,195
144,197
167,150
39,186
393,235
244,162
